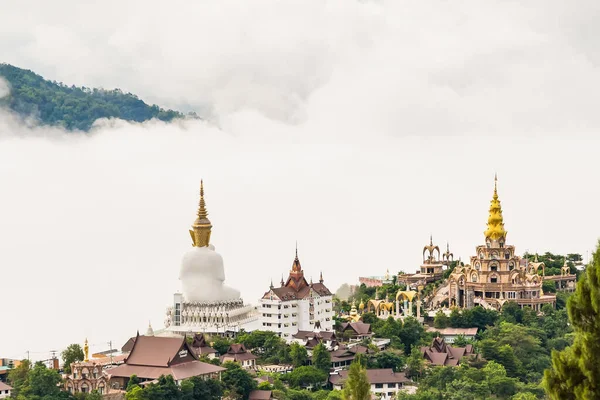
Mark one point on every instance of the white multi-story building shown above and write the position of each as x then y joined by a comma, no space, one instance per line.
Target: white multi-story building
296,305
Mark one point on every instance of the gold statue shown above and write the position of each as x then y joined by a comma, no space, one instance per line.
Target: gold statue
86,350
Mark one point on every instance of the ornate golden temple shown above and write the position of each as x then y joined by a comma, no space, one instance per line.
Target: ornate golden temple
496,274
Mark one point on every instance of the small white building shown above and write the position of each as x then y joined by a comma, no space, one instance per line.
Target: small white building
5,390
450,334
296,305
384,382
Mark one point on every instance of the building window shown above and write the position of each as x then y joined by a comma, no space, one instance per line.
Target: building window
379,386
494,279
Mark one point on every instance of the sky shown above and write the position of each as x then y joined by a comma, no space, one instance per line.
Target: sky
355,128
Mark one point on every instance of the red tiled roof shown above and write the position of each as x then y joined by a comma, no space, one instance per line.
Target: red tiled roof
439,353
359,327
236,348
4,386
154,351
179,371
260,395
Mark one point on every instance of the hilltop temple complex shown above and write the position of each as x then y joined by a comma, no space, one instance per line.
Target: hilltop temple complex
496,274
206,305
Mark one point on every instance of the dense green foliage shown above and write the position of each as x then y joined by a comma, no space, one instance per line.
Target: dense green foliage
36,383
74,108
575,372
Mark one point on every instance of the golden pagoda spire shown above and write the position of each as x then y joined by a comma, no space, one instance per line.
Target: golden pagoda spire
495,226
86,350
200,231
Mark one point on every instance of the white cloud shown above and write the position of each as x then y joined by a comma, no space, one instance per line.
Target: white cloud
332,128
432,67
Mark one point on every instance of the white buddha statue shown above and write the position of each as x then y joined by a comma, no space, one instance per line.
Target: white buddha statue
202,271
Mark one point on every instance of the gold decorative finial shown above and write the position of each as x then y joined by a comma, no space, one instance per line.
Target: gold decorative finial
495,226
201,229
86,350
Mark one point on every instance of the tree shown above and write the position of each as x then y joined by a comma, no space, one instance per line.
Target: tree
205,389
414,363
357,386
575,371
165,388
321,358
133,382
389,359
41,382
411,333
136,393
71,354
460,341
221,345
306,376
298,354
237,380
18,376
441,320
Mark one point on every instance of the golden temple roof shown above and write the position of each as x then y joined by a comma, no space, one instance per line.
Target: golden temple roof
495,225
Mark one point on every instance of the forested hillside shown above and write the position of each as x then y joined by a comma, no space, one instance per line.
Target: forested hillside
75,108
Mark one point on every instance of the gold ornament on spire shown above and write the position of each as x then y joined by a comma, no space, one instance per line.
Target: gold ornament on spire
495,226
86,350
201,229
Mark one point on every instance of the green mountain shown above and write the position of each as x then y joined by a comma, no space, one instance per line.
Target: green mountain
74,108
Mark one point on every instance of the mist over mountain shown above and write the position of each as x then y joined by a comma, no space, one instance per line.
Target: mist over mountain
73,108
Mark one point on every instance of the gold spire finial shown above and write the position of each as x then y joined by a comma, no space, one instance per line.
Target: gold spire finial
86,350
495,226
201,229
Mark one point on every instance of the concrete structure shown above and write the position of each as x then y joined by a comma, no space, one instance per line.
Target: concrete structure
206,305
385,383
297,305
496,274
